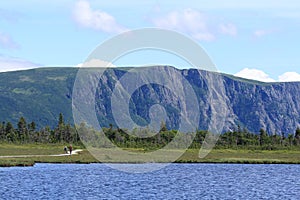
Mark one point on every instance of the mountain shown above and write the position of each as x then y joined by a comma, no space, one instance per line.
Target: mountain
41,94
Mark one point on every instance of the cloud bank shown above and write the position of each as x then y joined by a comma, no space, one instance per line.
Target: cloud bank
259,75
289,77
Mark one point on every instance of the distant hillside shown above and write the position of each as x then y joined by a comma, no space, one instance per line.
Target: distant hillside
41,94
37,94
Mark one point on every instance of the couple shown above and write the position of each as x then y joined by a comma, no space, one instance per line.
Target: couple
70,149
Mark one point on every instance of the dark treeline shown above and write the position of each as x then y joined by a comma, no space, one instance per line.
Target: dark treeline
64,132
27,133
237,139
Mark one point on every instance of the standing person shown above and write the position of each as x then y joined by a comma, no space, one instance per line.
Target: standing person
70,149
66,149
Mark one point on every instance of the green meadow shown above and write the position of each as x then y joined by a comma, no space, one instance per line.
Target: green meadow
43,153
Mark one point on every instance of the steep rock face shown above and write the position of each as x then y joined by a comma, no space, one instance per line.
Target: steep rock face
274,107
40,95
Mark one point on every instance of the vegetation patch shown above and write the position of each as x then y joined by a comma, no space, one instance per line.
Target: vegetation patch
239,146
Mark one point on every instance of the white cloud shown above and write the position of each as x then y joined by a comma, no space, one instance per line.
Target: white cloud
7,42
95,19
194,23
289,77
14,64
228,29
187,21
261,33
96,63
254,74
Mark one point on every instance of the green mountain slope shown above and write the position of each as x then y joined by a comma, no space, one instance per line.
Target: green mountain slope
41,94
37,94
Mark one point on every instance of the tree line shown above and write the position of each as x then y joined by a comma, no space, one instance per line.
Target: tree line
237,139
141,138
28,133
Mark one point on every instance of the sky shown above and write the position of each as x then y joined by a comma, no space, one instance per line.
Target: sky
257,39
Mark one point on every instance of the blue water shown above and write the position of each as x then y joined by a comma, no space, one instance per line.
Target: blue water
177,181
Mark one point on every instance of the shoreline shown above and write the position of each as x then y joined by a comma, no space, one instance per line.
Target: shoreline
247,162
137,163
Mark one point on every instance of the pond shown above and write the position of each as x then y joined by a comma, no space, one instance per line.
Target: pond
177,181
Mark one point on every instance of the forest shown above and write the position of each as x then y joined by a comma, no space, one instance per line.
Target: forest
240,138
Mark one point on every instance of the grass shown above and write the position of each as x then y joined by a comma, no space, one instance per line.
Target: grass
40,149
30,149
244,156
109,155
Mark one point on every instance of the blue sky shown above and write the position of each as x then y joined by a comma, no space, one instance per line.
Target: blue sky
254,39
